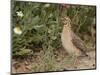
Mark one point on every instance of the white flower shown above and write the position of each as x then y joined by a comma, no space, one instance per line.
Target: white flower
17,30
20,14
46,5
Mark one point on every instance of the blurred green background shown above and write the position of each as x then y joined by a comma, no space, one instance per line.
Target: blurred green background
37,26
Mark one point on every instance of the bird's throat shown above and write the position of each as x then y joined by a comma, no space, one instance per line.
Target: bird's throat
66,29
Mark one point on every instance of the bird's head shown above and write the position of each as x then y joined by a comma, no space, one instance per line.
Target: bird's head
66,21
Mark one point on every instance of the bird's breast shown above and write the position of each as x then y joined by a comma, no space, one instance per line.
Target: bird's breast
67,42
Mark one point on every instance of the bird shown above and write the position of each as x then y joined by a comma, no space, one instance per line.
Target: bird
71,42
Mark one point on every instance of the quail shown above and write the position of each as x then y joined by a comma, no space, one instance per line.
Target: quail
70,41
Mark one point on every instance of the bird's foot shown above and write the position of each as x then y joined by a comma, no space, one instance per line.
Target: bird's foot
84,57
76,62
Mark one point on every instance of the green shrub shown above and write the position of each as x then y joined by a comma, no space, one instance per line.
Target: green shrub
41,26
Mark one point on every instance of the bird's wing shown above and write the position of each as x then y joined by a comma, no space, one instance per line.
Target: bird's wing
78,42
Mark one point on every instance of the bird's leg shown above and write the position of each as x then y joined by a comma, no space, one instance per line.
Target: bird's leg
72,58
75,61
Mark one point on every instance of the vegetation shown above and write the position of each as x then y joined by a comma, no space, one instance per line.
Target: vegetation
37,27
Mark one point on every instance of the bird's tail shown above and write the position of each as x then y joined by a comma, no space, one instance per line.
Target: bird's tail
90,49
85,53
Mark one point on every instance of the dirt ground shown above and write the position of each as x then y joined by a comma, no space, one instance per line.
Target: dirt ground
62,62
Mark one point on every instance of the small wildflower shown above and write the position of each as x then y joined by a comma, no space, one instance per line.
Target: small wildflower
47,5
67,6
18,30
20,14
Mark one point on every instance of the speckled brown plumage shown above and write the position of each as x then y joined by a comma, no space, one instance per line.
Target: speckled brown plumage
70,41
